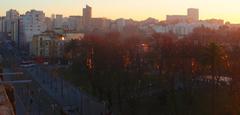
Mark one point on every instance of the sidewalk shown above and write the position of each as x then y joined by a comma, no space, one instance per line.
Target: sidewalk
70,98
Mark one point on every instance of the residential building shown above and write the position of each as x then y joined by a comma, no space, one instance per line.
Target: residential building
33,23
101,24
193,15
215,21
149,21
15,32
58,21
12,25
45,45
75,23
51,44
49,23
183,29
22,39
53,17
73,36
11,18
121,23
118,25
2,24
87,15
176,18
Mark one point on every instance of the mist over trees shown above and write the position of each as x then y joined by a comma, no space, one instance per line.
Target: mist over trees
161,74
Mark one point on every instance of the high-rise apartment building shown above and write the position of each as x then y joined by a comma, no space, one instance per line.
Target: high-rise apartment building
87,15
193,14
33,23
58,21
2,24
75,23
22,39
12,24
49,23
15,31
11,18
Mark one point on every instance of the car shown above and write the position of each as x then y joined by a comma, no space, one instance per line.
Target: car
45,63
26,64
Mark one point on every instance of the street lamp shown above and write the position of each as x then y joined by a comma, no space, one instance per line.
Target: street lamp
62,38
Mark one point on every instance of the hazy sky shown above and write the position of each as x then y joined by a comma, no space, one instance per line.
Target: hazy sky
229,10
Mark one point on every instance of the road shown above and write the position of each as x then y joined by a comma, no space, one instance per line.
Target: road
30,99
46,95
70,98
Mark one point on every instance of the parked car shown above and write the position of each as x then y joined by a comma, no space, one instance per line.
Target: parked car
26,64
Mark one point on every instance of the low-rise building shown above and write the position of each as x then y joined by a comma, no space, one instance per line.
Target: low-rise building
51,44
176,18
73,36
45,45
183,29
191,17
101,24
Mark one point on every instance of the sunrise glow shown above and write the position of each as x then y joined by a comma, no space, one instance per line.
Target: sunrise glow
228,10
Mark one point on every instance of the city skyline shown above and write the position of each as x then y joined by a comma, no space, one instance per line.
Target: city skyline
219,9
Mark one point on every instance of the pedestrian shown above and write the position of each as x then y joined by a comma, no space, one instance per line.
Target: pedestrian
31,100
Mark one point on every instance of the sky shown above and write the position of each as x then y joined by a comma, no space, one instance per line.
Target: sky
229,10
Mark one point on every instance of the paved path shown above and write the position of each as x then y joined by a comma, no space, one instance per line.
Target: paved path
30,99
70,98
47,91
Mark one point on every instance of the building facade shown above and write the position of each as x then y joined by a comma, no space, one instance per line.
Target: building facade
2,24
176,18
11,25
184,29
46,45
193,15
73,36
87,15
58,21
101,24
75,23
51,44
33,23
11,18
49,23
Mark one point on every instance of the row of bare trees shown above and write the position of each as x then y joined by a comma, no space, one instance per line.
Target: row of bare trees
162,74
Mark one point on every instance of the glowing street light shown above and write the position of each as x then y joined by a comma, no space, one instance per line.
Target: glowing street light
62,38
